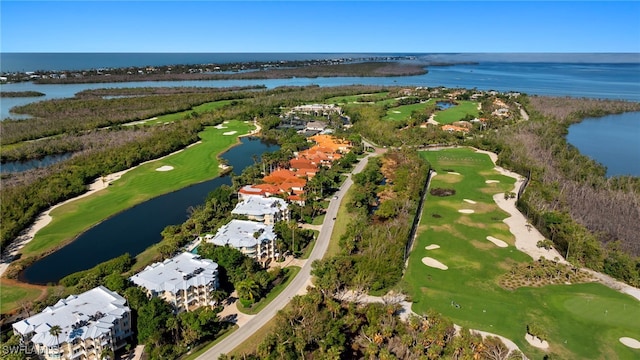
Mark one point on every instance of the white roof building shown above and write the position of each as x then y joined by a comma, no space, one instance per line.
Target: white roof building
254,239
185,281
96,320
268,210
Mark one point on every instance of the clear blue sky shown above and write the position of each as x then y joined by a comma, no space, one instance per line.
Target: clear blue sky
319,26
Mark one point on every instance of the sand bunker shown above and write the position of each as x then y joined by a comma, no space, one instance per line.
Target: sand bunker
453,173
466,211
498,242
432,247
229,133
395,112
220,126
536,342
434,263
492,181
165,168
225,122
630,342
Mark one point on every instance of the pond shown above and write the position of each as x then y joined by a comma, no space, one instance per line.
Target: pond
20,166
135,229
444,105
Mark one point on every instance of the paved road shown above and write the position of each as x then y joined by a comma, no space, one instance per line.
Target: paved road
296,286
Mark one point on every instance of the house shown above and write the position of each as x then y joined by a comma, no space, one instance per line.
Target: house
254,239
91,324
268,210
316,126
185,281
452,128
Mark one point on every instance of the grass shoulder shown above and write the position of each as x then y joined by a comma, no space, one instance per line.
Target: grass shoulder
292,271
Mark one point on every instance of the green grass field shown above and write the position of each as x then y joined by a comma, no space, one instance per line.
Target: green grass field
194,164
12,295
402,112
583,321
457,113
200,109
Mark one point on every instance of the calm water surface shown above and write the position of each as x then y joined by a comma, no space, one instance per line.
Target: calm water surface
612,140
135,229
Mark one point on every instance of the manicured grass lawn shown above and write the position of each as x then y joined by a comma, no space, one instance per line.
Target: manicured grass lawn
257,307
181,115
194,164
12,295
403,112
457,113
339,226
581,320
204,347
340,100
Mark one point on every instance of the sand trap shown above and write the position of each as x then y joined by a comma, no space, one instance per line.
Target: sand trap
466,211
165,168
492,181
630,342
469,201
432,247
434,263
395,112
536,342
498,242
453,173
229,133
220,126
225,122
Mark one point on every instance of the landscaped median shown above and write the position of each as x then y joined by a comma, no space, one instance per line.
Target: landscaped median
462,228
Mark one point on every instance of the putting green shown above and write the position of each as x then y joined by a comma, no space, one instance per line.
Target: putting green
581,320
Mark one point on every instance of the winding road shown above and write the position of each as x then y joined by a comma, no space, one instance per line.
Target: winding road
299,283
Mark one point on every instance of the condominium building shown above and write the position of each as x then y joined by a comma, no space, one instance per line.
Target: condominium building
254,239
90,324
268,210
184,281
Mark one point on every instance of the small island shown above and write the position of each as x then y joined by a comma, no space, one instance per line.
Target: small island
18,94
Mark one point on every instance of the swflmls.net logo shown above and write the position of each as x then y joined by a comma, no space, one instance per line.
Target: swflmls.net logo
27,350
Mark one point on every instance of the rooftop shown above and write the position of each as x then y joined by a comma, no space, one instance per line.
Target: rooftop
257,205
179,272
242,234
83,316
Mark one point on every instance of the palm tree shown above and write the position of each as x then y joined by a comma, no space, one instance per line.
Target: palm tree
248,289
56,330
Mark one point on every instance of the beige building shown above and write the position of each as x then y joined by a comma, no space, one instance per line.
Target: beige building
254,239
184,281
95,322
268,210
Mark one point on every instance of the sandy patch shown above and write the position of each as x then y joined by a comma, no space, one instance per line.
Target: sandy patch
225,122
492,181
535,342
466,211
630,342
229,133
432,247
220,126
453,173
434,263
165,168
469,201
498,242
395,112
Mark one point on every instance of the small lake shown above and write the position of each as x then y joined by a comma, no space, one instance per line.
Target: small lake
139,227
20,166
611,140
444,105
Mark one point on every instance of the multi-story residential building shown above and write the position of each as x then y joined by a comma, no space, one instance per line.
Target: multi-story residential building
268,210
254,239
89,325
185,281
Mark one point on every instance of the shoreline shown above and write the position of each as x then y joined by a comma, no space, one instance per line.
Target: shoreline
44,218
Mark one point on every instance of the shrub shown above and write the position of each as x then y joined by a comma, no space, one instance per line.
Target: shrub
442,192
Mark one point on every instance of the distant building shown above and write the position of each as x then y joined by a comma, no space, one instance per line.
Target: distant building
268,210
91,323
254,239
184,281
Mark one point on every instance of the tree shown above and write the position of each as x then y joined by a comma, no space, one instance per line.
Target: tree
248,289
56,330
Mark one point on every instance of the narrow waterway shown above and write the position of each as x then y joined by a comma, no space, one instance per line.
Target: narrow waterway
20,166
139,227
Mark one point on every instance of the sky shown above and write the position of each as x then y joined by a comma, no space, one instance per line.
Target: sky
320,26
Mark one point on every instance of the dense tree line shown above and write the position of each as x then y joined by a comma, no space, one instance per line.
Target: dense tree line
319,326
373,247
143,91
15,94
590,219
